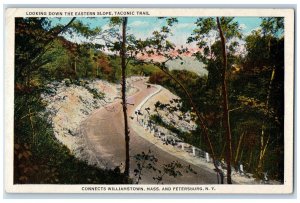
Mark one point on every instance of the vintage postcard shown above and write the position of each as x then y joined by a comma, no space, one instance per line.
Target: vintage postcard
112,100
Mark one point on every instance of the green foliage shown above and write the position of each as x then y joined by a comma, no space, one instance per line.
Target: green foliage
114,21
248,93
40,52
83,30
267,52
272,25
30,39
142,69
253,89
207,38
262,93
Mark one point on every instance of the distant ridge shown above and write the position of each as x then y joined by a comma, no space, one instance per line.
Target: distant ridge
188,63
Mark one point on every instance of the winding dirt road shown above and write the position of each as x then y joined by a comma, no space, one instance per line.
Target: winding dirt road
104,129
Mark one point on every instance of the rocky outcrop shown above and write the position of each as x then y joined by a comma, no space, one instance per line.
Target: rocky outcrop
68,104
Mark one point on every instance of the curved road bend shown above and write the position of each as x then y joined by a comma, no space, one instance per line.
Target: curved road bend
104,133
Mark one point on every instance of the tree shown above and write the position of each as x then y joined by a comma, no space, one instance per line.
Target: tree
225,105
124,102
32,36
265,59
116,41
37,38
205,37
102,65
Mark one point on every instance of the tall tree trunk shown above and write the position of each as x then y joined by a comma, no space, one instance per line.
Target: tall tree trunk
263,140
250,159
32,126
238,148
241,156
75,67
86,71
124,102
225,106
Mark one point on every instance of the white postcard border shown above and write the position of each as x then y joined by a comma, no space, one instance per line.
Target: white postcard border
286,188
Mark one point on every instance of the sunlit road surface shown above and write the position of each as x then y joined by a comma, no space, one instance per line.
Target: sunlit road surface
104,131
